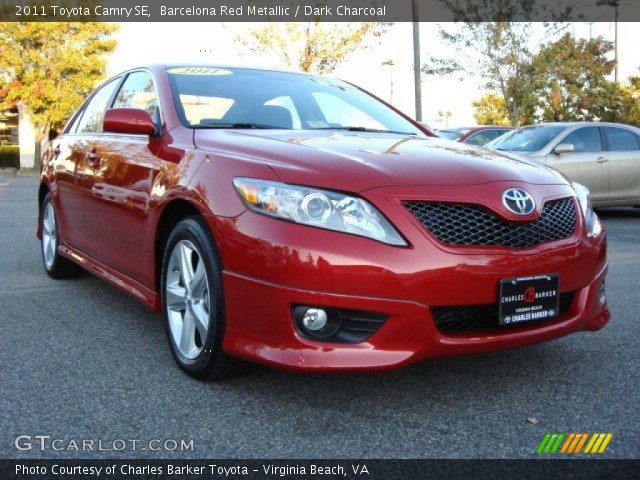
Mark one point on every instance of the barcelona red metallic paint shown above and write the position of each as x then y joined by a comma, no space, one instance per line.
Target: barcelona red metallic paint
128,120
111,192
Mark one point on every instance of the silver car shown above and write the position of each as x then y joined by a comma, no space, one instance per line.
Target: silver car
605,157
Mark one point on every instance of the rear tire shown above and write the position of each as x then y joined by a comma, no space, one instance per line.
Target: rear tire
55,265
193,303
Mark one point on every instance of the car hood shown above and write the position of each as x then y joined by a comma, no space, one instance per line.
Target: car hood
357,161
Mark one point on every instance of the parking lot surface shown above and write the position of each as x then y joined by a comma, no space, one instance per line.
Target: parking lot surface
81,360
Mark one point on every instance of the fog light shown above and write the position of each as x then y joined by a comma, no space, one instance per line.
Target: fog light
315,319
601,294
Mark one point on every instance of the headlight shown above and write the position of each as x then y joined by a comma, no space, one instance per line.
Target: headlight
584,199
319,208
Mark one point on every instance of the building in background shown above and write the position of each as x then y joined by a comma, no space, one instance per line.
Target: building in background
9,127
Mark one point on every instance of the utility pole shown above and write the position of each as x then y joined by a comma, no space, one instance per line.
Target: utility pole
390,63
615,4
416,61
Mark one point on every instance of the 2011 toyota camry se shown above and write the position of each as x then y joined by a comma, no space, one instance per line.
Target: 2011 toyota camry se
300,222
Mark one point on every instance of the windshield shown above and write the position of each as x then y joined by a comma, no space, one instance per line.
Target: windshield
449,134
244,98
528,139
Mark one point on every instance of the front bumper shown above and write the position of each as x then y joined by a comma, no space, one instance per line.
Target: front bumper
261,329
270,265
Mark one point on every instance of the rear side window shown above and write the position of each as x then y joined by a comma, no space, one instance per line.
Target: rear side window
91,120
621,140
586,139
138,91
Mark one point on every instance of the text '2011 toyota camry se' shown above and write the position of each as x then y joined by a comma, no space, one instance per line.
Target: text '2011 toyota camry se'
300,222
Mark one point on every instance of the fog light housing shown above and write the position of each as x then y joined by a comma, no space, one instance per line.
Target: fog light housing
316,322
314,319
601,294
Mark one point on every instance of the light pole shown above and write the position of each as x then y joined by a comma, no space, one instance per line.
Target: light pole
416,61
390,63
615,4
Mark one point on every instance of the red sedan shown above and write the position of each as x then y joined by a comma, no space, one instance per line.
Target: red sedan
298,221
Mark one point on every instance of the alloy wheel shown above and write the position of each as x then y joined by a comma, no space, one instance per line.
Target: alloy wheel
187,299
49,236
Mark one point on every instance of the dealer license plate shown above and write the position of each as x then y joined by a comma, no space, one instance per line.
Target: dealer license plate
528,299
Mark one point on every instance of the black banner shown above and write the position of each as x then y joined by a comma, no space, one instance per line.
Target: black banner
318,10
325,469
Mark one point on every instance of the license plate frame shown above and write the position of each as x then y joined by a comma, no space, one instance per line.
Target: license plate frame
533,298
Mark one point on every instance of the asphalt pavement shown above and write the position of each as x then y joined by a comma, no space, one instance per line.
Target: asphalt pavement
79,360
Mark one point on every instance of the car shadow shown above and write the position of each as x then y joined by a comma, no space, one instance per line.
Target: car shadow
617,212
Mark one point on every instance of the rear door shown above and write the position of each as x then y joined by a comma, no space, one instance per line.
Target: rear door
117,186
588,164
69,164
624,166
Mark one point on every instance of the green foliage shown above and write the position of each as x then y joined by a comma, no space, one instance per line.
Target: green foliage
313,46
570,80
500,54
9,157
50,67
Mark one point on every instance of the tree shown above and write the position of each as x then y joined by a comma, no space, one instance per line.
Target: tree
499,52
625,102
313,46
50,67
571,81
491,110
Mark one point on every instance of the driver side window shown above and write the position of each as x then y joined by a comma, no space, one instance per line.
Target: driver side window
586,139
138,91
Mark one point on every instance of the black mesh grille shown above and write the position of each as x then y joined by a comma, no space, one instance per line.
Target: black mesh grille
475,318
462,224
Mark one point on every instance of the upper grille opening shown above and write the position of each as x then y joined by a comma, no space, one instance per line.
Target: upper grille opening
465,224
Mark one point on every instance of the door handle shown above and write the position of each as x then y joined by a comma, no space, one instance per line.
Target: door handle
601,160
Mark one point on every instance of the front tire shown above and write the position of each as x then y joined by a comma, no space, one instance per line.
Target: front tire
193,303
55,265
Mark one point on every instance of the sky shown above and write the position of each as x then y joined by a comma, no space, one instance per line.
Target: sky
141,43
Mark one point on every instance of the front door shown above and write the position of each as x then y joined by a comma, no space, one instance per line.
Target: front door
588,164
117,189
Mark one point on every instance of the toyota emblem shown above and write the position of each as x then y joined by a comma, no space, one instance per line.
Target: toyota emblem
518,201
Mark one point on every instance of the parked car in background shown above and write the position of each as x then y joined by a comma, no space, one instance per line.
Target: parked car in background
605,157
478,136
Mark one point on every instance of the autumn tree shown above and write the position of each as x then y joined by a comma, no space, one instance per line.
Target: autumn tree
50,67
631,112
500,52
571,80
313,46
491,110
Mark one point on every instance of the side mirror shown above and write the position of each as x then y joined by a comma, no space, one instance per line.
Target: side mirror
128,120
564,148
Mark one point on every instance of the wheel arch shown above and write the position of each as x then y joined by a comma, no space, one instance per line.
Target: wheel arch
172,213
43,189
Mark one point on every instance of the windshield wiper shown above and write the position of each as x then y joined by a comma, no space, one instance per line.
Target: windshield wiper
364,129
235,125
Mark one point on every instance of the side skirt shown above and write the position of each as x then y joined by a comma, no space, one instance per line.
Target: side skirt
143,294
